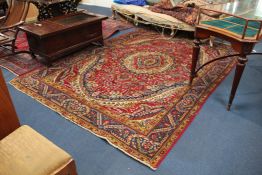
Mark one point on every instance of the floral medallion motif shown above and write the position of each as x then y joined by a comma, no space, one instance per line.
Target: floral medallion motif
148,62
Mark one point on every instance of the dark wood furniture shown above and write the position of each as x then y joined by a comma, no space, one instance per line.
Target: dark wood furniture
8,118
52,8
242,30
62,35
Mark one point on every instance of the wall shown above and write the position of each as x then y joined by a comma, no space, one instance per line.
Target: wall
103,3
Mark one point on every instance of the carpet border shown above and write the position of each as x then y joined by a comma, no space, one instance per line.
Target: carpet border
17,86
212,89
74,120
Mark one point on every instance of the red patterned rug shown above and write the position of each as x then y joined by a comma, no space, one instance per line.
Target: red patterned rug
134,93
23,63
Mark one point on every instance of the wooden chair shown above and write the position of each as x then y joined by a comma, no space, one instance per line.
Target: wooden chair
8,118
23,151
15,16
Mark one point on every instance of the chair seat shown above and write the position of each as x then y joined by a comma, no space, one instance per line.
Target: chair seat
25,152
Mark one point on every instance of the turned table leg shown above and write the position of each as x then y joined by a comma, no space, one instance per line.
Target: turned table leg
238,73
195,56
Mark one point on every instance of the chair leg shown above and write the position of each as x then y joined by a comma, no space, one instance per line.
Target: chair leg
19,52
25,51
69,169
13,47
14,52
6,46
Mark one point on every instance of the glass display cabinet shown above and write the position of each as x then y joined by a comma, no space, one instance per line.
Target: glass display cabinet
239,23
239,19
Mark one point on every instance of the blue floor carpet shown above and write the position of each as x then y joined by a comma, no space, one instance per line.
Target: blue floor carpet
218,142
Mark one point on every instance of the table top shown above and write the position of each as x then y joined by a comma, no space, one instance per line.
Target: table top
241,20
248,9
60,23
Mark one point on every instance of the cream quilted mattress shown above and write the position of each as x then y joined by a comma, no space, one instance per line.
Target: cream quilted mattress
143,15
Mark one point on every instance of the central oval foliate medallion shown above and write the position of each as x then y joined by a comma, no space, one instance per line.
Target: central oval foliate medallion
148,62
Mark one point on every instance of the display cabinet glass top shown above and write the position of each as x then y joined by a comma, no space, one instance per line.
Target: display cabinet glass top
249,9
242,19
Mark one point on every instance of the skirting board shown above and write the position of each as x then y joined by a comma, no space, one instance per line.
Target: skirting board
105,4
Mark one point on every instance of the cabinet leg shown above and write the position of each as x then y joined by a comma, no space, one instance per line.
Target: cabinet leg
46,61
195,56
238,74
98,43
101,42
32,54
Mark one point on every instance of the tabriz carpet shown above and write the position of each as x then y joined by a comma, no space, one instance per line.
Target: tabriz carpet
134,92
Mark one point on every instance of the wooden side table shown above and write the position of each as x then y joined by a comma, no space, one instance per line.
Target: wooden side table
240,25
